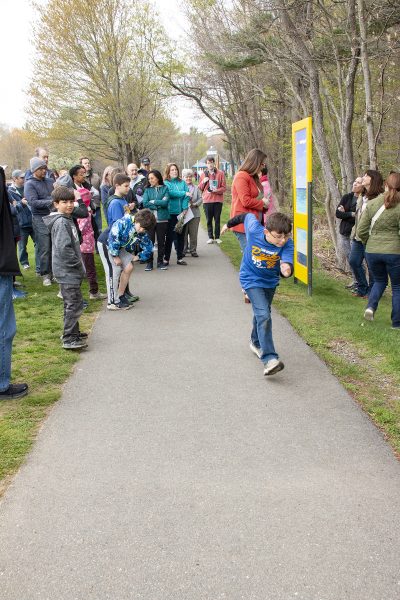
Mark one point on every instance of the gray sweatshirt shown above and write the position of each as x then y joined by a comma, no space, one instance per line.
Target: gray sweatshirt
66,254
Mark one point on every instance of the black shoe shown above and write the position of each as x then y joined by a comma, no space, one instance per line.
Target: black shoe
166,262
162,267
75,344
195,255
149,267
181,262
16,390
124,304
83,335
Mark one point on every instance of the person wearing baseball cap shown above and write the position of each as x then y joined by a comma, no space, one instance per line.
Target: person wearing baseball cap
17,198
38,191
145,166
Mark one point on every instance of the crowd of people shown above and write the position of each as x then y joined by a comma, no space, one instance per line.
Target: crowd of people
133,214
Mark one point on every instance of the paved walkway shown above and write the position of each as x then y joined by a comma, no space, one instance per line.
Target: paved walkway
172,470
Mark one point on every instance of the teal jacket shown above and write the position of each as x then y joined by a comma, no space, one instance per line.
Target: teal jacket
177,193
157,199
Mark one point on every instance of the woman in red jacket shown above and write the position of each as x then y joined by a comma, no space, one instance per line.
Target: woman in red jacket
247,191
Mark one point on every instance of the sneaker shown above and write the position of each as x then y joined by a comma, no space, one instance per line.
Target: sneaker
162,267
75,344
17,284
397,327
82,335
85,304
149,267
18,294
37,273
369,314
181,262
130,297
166,262
350,286
257,351
98,296
25,267
195,255
218,241
210,241
273,366
59,295
14,390
46,280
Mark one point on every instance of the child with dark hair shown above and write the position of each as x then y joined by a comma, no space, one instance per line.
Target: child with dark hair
67,265
117,202
121,245
267,256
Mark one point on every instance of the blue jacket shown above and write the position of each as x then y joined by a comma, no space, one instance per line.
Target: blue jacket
177,192
24,214
38,194
115,209
124,235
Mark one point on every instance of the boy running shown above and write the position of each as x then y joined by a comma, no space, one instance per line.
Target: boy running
268,254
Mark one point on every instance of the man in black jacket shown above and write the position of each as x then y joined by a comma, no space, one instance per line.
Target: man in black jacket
8,267
346,212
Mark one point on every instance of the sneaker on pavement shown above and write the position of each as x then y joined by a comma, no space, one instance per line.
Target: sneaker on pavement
46,280
218,241
25,267
195,255
14,390
18,294
149,267
75,344
123,302
210,241
181,262
369,314
131,297
98,296
162,267
273,366
257,351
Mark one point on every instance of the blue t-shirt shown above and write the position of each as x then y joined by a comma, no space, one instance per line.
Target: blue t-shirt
261,260
115,210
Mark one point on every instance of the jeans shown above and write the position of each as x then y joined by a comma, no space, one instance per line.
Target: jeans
261,335
43,240
172,236
356,259
7,329
73,308
382,267
22,244
242,240
213,211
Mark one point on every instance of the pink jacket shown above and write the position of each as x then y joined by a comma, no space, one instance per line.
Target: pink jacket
85,225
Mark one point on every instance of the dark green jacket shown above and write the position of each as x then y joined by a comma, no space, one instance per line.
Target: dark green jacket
385,235
157,199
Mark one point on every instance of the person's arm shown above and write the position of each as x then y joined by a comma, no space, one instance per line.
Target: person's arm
203,182
186,197
164,200
80,211
147,203
341,212
247,200
115,212
287,259
63,244
197,199
174,193
362,232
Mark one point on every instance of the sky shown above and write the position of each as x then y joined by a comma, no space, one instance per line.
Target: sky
16,52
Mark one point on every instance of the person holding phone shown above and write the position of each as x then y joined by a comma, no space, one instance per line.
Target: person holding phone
213,186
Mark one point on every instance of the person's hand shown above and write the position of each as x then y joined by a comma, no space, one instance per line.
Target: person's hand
206,179
117,261
24,201
131,205
341,208
189,194
14,203
135,258
286,269
224,229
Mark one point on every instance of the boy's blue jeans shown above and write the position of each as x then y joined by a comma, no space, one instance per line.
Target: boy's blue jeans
7,329
261,335
383,266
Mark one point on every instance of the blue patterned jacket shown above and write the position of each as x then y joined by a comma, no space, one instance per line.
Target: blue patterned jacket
124,235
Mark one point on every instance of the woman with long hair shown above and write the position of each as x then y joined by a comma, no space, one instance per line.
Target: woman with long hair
248,192
106,184
379,229
179,201
372,183
156,198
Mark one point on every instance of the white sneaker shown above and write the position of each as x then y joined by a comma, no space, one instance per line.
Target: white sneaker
257,351
59,295
46,280
26,267
369,314
210,241
273,366
218,241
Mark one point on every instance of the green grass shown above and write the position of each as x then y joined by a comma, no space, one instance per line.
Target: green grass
364,356
38,360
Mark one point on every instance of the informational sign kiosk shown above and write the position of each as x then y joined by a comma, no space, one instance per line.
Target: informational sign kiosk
302,201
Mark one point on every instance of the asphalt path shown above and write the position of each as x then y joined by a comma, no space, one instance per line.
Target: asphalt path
171,469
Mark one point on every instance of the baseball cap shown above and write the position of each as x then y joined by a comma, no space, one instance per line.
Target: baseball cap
145,160
18,173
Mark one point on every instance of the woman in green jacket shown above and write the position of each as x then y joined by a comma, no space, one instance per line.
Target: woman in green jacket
156,198
379,229
179,201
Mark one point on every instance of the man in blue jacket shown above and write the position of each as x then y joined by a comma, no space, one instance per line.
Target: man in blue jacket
17,199
38,194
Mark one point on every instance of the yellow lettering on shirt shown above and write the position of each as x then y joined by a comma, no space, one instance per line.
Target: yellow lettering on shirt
263,260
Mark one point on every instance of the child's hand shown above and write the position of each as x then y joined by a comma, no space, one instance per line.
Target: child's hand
224,229
117,261
135,258
286,269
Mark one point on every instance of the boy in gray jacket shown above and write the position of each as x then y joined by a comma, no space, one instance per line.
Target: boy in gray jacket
67,265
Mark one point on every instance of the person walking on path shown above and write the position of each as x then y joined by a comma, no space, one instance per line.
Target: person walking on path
248,192
379,230
8,269
267,256
156,198
213,187
372,182
192,227
179,201
38,189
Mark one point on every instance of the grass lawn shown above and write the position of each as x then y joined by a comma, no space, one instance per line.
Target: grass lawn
38,360
364,356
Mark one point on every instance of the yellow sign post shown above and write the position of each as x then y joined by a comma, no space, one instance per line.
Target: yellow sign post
302,201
